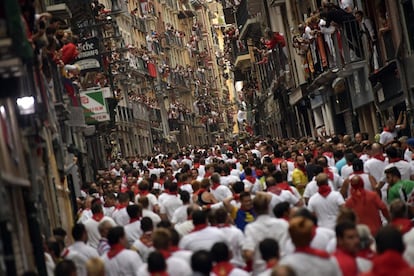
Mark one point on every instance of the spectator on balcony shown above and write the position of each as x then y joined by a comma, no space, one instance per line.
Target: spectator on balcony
332,13
369,32
327,33
69,50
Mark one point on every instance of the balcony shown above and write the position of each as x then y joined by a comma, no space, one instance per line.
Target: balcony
241,54
178,80
248,16
171,40
345,52
271,68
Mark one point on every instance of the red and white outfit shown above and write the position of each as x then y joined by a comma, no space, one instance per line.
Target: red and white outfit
80,253
133,230
120,215
170,203
175,266
265,227
326,207
375,166
91,226
311,262
235,238
220,192
203,237
121,261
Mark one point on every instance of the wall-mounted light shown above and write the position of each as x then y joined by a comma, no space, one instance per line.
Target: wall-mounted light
26,105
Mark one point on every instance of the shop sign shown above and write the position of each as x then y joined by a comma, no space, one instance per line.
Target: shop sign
94,105
89,58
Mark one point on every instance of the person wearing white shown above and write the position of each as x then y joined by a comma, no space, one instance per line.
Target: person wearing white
306,260
146,212
175,265
263,227
219,191
376,164
234,236
119,260
170,202
79,252
92,224
325,204
120,214
133,229
203,237
180,214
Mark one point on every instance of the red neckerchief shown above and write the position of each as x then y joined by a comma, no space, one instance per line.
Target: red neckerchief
328,154
174,248
394,160
329,173
159,273
324,190
165,253
196,165
284,186
388,263
313,251
143,193
133,220
271,263
275,190
223,268
146,239
207,174
199,227
379,157
290,160
215,186
115,250
251,179
98,217
259,173
179,184
121,206
303,169
386,129
277,161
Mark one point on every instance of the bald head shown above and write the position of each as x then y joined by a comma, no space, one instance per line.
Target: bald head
322,179
376,148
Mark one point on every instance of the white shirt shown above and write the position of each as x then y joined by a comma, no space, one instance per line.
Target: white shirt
153,216
142,249
91,226
283,196
252,187
184,228
386,137
108,211
203,239
85,215
175,267
235,239
312,188
133,231
265,227
375,168
126,263
346,171
405,168
80,253
229,179
121,216
221,192
180,214
187,187
322,238
170,204
326,208
309,265
152,199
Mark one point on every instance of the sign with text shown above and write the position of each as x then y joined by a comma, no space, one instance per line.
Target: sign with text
89,58
94,106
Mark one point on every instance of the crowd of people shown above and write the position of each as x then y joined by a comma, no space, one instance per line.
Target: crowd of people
327,206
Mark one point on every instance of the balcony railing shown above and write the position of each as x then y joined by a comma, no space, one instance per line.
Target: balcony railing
344,47
239,48
271,66
138,23
177,79
172,40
